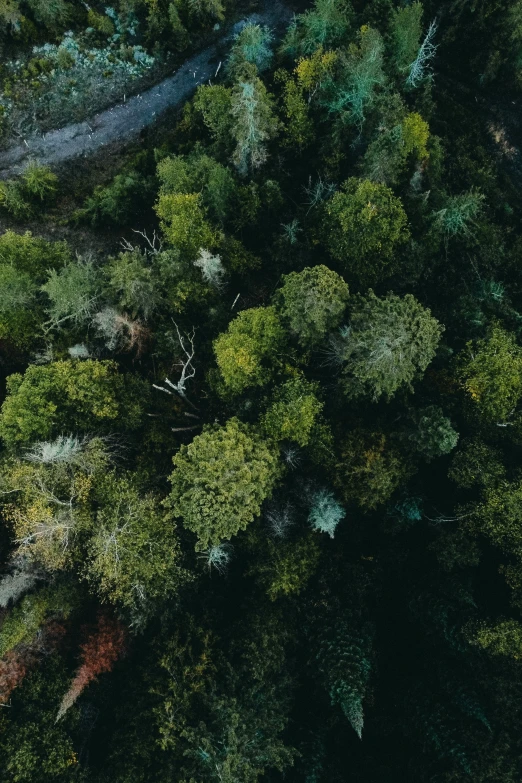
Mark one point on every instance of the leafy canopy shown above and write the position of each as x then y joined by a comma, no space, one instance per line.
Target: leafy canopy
220,481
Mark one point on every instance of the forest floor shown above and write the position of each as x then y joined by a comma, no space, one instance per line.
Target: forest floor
124,122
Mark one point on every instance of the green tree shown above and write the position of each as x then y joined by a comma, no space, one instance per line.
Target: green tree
293,412
503,638
132,280
184,223
220,481
476,464
68,395
326,24
312,303
73,292
251,45
370,470
364,226
214,104
405,34
134,554
254,124
389,343
199,173
344,660
24,264
288,566
352,93
249,347
431,433
491,373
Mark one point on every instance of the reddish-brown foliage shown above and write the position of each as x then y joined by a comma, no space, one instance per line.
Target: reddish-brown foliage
99,654
13,668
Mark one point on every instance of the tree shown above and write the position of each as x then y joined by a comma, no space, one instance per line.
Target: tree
344,659
312,303
73,292
491,373
251,45
199,173
325,512
288,566
250,345
405,34
184,223
25,262
360,72
389,343
477,464
254,124
326,24
364,226
370,470
49,399
293,412
458,214
134,553
99,654
133,282
431,433
214,104
220,481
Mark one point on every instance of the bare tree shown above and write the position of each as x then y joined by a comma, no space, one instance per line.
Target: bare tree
188,370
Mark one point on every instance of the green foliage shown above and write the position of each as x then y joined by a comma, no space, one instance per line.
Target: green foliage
133,282
405,35
312,303
293,412
353,94
503,638
134,553
24,262
246,352
254,124
220,481
23,623
199,173
251,45
370,469
117,203
364,226
326,24
23,197
63,395
388,344
458,214
477,464
73,292
288,566
344,659
491,373
184,223
214,103
433,435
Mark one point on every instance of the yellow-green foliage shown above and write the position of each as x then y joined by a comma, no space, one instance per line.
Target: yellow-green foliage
312,303
246,351
370,469
415,135
68,395
364,226
289,566
220,481
184,223
25,620
134,553
491,373
293,412
504,638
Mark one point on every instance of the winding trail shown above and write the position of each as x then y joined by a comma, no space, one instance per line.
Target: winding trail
125,121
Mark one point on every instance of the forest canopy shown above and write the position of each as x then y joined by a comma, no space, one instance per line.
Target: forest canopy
261,391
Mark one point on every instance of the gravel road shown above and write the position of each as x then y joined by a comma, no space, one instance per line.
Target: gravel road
125,121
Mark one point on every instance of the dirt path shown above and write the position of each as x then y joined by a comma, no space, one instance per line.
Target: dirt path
125,121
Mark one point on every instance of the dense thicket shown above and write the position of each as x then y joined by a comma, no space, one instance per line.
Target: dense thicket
261,417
